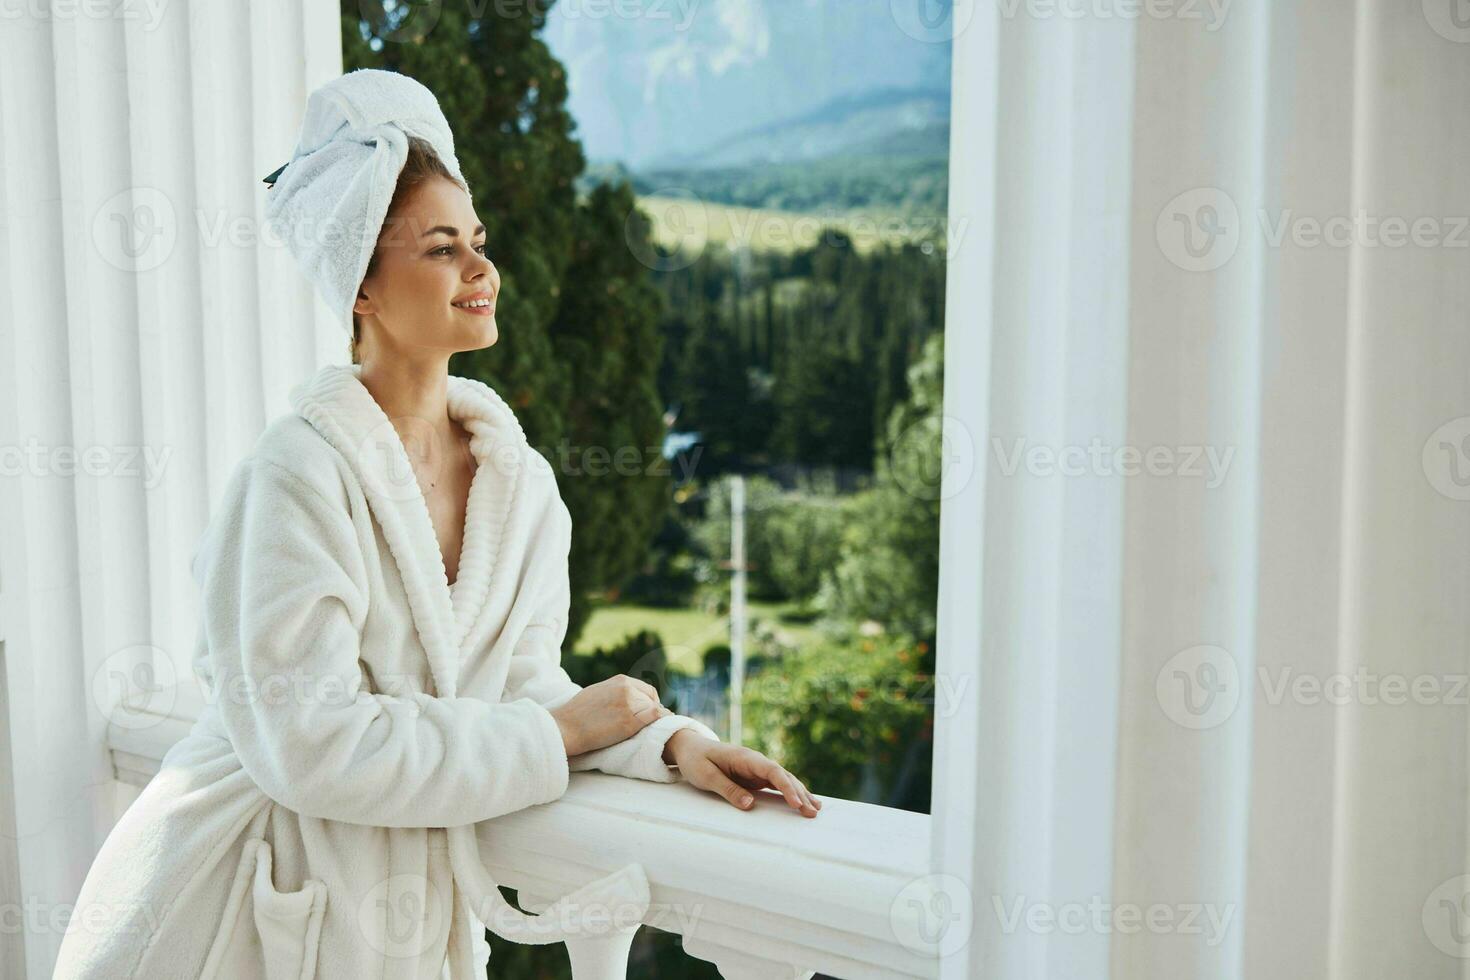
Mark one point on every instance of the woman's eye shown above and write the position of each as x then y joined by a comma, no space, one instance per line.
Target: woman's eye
446,249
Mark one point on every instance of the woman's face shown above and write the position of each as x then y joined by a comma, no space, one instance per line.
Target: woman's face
429,258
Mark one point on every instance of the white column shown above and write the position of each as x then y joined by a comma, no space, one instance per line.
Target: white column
1192,559
1304,295
1126,740
1402,807
1035,362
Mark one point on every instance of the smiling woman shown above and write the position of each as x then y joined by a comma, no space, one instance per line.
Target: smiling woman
384,598
418,262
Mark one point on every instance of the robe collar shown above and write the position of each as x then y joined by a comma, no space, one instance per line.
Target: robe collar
341,408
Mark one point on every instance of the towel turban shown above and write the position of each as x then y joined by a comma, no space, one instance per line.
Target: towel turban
329,202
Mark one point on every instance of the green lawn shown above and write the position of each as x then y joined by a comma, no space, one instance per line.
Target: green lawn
681,222
686,632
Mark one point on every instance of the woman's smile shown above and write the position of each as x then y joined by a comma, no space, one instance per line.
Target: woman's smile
478,304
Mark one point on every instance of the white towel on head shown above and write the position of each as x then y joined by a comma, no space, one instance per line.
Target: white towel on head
330,201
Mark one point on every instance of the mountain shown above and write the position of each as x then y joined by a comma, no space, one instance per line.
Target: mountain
663,83
881,123
887,151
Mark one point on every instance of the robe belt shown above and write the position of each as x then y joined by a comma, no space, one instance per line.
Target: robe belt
595,909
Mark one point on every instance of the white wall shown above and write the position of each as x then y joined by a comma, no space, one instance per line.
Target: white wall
140,322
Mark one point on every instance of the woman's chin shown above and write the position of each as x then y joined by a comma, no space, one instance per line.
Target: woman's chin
485,336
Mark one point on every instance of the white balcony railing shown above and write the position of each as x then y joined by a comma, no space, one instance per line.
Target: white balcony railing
762,894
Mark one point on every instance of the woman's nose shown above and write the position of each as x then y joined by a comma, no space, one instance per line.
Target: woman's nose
490,274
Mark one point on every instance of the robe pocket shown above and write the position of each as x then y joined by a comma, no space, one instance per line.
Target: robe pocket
266,932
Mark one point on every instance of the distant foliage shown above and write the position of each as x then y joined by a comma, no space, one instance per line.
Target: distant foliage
667,577
854,720
795,359
763,496
605,333
791,537
916,186
805,535
639,655
889,570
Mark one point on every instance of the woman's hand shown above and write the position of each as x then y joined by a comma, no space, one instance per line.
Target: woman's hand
606,713
733,771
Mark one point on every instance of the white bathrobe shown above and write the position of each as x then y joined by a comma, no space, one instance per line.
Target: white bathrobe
359,706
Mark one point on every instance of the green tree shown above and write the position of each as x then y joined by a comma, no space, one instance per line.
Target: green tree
617,484
819,400
853,719
714,387
763,496
805,539
799,358
889,570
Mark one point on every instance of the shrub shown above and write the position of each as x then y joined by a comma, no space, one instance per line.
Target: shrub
639,655
852,720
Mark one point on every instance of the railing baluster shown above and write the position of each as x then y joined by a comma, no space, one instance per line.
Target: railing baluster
601,957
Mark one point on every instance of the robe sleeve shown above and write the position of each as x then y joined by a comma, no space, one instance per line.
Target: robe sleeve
284,595
536,672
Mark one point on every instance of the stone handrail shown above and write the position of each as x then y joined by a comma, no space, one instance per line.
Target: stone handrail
765,893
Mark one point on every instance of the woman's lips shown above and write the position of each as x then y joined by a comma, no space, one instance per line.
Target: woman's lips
476,310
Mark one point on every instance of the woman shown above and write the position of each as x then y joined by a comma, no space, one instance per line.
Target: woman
385,598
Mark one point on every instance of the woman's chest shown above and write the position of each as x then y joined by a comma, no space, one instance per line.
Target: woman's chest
405,610
438,623
446,485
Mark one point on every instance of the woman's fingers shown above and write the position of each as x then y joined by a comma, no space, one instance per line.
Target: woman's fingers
645,687
651,712
790,787
736,795
755,770
811,801
742,773
807,794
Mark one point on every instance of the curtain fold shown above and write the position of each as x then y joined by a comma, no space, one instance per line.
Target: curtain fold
148,330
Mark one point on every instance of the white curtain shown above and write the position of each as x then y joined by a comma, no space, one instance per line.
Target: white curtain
1195,746
146,336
